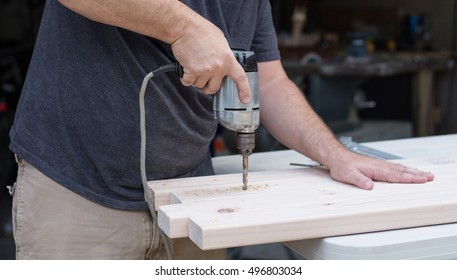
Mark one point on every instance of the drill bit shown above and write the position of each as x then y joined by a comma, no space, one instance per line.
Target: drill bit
245,142
245,172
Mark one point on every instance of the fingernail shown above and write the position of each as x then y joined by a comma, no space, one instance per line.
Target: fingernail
247,99
367,185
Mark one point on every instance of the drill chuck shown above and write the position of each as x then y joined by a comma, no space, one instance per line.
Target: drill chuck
245,143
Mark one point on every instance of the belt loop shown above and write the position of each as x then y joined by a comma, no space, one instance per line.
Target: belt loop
11,189
18,159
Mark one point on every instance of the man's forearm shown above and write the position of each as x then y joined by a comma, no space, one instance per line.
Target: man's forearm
166,20
288,116
186,31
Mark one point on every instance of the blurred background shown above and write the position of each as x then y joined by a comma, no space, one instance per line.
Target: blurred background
373,70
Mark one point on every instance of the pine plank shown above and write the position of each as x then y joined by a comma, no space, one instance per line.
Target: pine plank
229,183
173,219
302,203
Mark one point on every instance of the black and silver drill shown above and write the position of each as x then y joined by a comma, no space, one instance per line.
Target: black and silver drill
234,115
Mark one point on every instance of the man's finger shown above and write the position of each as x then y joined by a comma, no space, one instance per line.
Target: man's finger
420,173
362,181
188,79
213,85
201,82
241,80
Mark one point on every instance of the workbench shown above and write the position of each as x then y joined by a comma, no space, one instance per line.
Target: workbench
430,242
422,67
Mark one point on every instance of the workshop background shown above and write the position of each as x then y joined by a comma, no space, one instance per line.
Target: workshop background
373,70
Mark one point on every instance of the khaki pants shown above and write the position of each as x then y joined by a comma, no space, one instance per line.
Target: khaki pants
51,222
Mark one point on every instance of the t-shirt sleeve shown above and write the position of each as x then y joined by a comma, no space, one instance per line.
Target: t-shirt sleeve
265,43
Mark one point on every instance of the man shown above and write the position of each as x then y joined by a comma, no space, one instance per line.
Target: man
76,133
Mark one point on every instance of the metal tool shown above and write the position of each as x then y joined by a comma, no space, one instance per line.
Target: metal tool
234,115
228,110
364,150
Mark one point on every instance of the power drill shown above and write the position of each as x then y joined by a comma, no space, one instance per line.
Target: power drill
228,110
234,115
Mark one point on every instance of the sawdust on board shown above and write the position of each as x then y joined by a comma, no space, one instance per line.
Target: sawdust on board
226,190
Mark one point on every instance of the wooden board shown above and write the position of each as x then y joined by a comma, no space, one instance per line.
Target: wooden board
286,205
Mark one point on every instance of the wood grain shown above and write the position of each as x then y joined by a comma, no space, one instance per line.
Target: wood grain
286,205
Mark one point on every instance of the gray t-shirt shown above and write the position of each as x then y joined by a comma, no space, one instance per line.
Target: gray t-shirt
78,116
